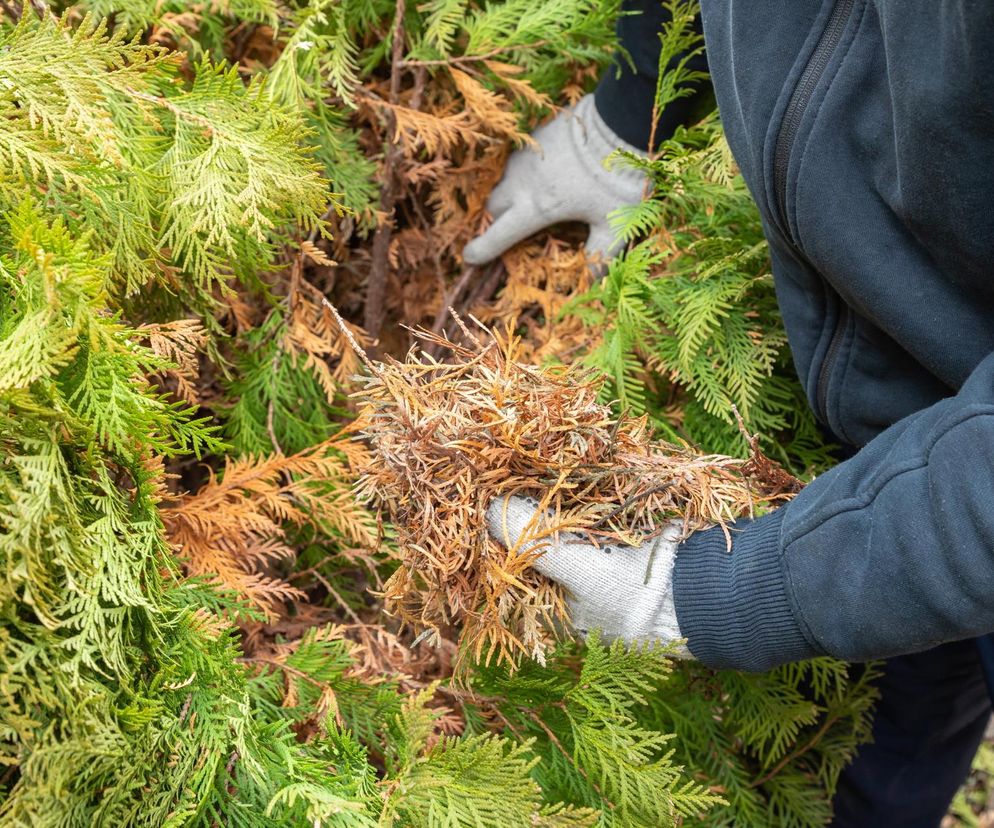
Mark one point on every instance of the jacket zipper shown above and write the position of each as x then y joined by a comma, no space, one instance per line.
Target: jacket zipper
800,99
830,38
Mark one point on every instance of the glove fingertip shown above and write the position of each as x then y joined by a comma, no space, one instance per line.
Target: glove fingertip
479,251
501,198
491,243
602,243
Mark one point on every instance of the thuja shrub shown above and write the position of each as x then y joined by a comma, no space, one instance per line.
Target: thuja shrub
192,624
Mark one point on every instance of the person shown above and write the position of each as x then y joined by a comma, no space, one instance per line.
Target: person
864,130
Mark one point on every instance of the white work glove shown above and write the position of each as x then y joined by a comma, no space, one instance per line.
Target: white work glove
563,179
613,589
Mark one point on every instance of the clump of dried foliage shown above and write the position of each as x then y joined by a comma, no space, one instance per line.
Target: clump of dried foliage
448,437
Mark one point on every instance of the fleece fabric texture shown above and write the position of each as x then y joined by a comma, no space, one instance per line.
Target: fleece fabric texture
877,199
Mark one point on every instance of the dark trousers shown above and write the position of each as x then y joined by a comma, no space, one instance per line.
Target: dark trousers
933,709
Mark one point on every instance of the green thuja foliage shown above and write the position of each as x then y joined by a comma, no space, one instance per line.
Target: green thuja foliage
771,743
188,183
752,750
698,333
588,720
329,48
269,387
151,173
319,52
122,700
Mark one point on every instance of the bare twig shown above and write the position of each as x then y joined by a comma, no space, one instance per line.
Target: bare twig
269,409
473,58
376,286
43,11
631,501
241,38
351,613
796,754
450,298
485,288
751,439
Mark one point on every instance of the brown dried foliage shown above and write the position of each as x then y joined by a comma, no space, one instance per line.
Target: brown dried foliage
541,277
181,342
234,529
315,336
447,438
448,136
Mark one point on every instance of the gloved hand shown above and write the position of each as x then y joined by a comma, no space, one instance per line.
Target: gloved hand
563,180
625,592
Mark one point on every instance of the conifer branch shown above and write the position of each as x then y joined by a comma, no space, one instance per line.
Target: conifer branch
376,285
472,58
554,740
794,755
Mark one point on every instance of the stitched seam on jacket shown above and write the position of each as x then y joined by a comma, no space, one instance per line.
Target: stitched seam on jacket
823,343
850,350
795,609
862,501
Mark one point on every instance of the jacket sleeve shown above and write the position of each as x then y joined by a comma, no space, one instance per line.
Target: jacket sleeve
625,94
890,552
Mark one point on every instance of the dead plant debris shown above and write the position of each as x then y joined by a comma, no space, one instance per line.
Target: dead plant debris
448,437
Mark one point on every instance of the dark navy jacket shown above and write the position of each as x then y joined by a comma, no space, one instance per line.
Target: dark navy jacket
865,131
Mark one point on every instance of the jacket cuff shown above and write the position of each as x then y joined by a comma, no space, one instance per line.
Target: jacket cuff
625,101
733,607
